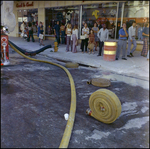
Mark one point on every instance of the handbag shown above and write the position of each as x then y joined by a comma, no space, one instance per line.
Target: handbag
82,37
41,36
90,46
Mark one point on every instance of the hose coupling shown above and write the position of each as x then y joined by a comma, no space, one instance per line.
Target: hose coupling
89,82
88,112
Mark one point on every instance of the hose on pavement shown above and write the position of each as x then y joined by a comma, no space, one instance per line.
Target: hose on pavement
31,53
67,133
101,82
104,106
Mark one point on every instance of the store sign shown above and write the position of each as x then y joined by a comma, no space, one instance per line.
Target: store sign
27,4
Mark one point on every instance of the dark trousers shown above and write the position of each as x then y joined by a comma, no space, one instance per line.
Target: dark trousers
30,35
101,44
58,38
62,37
84,42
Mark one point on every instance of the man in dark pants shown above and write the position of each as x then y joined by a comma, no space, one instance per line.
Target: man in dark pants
81,32
99,25
122,43
85,31
57,32
102,34
30,32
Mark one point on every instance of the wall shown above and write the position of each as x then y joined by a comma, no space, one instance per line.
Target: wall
15,32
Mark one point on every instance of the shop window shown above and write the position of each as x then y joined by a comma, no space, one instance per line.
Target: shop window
61,14
103,13
138,13
29,15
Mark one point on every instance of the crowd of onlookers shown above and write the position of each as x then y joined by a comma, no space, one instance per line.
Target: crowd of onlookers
91,38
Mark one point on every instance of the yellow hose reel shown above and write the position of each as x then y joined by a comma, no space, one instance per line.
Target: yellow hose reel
104,105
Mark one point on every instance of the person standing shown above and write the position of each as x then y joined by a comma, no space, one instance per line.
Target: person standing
62,31
75,38
22,28
131,39
85,32
145,34
57,32
122,43
102,34
38,30
91,42
139,30
68,33
30,32
81,31
41,32
99,25
96,29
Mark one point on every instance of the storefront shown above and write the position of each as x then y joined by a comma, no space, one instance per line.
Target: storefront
61,14
113,13
28,15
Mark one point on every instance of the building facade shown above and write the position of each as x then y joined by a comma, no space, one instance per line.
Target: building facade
113,13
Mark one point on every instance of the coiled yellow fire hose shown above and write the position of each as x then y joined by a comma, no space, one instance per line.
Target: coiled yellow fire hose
67,133
104,105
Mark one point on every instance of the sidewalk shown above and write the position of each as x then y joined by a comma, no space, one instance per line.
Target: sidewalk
136,66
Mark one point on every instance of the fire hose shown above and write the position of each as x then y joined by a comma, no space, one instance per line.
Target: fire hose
31,53
67,133
104,105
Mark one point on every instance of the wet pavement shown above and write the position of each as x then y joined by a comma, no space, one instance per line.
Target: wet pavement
35,96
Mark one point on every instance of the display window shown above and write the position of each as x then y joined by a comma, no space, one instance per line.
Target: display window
101,13
61,14
28,15
139,12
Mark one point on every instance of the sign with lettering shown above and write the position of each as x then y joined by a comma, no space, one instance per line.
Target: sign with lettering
27,4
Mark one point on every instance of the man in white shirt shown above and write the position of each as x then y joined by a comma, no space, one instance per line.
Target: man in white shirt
131,39
102,34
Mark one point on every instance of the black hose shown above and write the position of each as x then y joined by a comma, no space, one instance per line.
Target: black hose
32,53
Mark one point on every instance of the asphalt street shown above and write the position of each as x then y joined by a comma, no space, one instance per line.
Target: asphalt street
35,96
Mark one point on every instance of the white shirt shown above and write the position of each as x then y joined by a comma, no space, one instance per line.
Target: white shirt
75,32
85,30
131,31
103,34
68,30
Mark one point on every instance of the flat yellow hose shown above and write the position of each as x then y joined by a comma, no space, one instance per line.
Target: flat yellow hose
67,133
101,82
105,106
